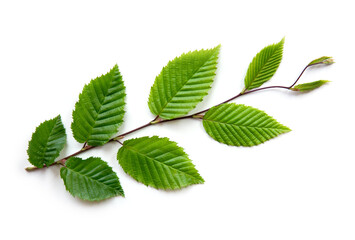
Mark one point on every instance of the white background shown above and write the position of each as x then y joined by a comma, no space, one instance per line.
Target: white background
300,185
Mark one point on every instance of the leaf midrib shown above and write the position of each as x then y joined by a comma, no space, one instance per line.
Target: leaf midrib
244,125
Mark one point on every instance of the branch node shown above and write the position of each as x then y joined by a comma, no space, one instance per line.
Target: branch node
156,120
198,116
118,138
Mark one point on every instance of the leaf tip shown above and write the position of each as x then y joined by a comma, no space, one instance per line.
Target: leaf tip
215,51
286,129
201,181
218,47
282,40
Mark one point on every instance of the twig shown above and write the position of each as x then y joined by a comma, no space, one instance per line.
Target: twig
158,120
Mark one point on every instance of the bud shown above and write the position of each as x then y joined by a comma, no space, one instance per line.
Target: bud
329,61
322,60
305,87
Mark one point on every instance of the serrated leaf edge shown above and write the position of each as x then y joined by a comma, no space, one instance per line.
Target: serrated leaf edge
282,127
217,49
118,192
80,96
199,180
58,119
248,87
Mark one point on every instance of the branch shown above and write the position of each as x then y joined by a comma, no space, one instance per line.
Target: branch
158,120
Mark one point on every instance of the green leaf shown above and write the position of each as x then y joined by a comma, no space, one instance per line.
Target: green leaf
46,142
324,60
309,86
264,65
91,179
100,109
240,125
183,83
158,162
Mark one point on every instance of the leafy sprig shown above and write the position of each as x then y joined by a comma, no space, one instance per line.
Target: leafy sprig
155,161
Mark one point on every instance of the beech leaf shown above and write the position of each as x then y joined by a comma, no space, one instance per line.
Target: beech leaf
91,179
264,65
183,83
158,162
100,109
46,142
240,125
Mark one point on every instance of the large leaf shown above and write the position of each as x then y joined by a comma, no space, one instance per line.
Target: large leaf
264,65
305,87
100,109
46,142
183,83
91,179
240,125
158,162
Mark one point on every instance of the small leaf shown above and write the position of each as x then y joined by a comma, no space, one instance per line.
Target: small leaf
240,125
100,109
183,83
158,162
309,86
91,179
264,65
324,60
46,142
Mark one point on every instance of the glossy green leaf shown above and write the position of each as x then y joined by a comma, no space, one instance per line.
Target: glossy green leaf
91,179
46,142
100,109
264,65
324,60
158,162
305,87
240,125
183,83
